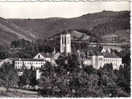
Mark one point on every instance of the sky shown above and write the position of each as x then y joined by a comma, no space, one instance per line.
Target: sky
57,9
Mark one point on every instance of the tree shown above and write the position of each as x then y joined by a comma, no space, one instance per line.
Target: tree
124,78
20,43
47,79
109,82
124,71
69,80
4,54
28,77
8,76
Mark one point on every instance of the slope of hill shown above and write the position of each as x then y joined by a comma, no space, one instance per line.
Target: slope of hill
97,24
9,32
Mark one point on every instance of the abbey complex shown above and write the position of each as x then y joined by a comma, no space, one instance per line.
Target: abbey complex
88,57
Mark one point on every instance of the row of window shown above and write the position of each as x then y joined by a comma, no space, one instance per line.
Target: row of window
20,66
29,62
112,60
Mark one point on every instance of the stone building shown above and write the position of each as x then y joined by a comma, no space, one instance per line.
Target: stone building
99,60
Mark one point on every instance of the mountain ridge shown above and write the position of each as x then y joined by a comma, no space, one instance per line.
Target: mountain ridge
31,29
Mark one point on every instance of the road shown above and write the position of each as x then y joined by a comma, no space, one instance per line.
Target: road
18,92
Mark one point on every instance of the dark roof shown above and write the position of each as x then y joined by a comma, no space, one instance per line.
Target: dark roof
109,36
91,53
28,59
110,55
47,55
89,57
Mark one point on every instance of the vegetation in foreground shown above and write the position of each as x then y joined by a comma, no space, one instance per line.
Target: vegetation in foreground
70,79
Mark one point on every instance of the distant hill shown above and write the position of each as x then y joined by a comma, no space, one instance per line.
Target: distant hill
10,31
97,24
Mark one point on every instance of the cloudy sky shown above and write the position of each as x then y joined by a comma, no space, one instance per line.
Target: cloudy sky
58,9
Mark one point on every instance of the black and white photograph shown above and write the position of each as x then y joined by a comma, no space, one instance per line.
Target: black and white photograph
65,49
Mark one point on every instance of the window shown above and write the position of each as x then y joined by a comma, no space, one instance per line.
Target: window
38,56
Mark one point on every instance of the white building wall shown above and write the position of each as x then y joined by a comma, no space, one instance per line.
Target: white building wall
100,62
116,62
38,74
65,43
62,43
97,61
28,64
94,61
68,43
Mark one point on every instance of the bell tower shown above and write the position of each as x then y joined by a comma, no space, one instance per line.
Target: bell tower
65,43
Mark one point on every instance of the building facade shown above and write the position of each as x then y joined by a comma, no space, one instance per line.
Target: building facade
28,63
98,61
39,60
65,43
